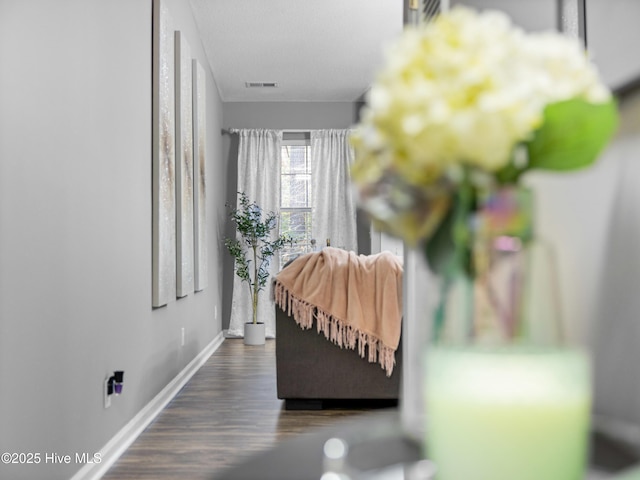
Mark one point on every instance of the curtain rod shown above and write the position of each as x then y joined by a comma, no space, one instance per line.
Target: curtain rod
284,130
230,131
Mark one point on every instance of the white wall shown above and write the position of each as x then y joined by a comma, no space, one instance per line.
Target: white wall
592,217
573,213
75,226
615,319
612,26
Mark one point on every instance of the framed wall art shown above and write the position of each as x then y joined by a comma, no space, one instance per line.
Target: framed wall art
163,159
184,167
199,177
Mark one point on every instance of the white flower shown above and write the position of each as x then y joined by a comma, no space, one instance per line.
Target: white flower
465,89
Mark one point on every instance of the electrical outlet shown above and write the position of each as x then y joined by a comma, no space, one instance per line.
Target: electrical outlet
183,337
105,390
215,312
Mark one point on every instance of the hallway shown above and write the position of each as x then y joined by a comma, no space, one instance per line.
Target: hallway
226,412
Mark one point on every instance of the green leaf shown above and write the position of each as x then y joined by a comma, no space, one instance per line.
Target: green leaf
573,134
509,174
254,227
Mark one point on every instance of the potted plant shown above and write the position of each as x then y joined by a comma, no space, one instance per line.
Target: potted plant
252,254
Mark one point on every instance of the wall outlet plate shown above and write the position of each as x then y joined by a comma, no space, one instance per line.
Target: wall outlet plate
183,337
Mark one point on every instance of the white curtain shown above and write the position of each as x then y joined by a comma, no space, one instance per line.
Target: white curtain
259,179
333,202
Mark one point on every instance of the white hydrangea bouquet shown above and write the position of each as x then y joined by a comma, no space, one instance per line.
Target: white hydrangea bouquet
465,107
466,103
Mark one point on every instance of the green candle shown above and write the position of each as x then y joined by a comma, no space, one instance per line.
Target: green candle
508,414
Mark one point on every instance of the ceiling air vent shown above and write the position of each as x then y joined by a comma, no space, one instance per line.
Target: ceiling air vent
261,84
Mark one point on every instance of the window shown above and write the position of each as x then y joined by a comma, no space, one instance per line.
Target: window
295,197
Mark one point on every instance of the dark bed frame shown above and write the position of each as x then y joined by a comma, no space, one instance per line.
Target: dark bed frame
313,373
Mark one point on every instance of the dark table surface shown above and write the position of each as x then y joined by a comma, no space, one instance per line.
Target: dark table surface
376,441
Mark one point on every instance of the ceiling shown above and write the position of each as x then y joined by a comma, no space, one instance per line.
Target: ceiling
315,50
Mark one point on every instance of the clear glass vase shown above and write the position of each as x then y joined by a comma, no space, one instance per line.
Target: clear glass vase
503,394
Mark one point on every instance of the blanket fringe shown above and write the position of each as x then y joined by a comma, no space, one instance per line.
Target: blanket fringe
334,329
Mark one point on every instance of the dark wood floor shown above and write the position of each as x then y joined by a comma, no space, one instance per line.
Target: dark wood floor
226,412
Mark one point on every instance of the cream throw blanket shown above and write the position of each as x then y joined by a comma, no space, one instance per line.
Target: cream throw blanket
355,299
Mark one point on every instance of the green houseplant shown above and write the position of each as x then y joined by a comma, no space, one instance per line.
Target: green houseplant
252,253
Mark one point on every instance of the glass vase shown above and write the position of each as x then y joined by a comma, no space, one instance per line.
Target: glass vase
505,395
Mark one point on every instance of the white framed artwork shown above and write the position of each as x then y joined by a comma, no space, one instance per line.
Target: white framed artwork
184,167
163,159
199,177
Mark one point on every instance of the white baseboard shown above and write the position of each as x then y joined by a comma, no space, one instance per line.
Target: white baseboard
110,453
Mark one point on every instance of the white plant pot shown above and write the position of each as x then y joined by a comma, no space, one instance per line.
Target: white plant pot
254,333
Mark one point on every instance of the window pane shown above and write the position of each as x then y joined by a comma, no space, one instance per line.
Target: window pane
295,191
299,159
289,253
298,226
295,200
295,159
